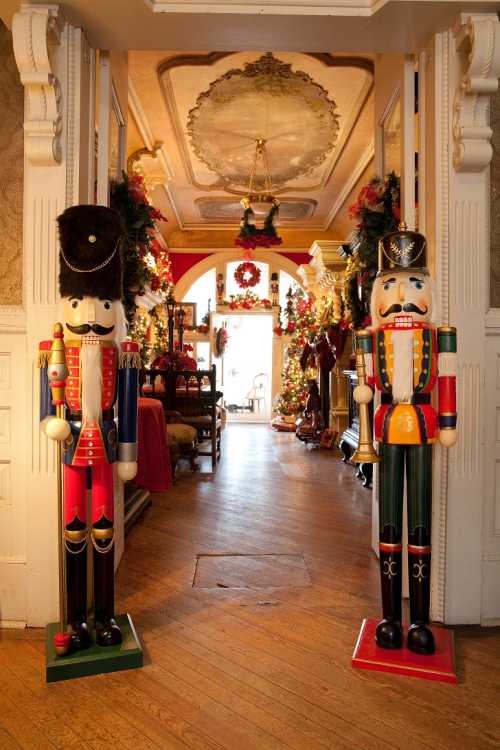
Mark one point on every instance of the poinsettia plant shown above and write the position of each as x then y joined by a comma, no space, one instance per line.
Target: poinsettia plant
175,360
377,211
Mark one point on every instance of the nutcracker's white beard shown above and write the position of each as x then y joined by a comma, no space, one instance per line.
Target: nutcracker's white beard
91,374
91,365
402,376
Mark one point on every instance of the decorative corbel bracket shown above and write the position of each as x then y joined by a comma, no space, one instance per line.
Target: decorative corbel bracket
35,29
478,46
151,164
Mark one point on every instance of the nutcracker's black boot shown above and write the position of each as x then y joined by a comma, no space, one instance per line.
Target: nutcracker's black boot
75,538
107,631
420,639
389,632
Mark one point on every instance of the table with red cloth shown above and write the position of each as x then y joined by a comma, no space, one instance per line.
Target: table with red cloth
154,471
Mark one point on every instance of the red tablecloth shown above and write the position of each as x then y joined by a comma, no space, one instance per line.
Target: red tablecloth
154,471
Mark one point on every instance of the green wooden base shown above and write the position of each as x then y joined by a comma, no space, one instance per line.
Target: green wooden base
96,659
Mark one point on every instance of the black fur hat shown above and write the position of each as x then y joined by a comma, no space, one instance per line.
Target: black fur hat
90,260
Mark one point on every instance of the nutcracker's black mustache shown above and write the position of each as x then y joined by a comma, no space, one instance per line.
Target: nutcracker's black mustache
87,328
409,307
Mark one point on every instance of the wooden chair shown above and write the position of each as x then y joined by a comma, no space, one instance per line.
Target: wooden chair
189,397
181,437
194,395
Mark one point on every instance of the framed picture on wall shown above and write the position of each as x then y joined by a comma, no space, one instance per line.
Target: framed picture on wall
390,126
189,314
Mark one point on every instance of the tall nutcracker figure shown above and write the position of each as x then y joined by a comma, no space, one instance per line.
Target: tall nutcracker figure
101,367
406,357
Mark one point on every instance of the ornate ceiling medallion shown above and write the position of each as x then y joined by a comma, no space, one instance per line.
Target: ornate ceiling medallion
264,100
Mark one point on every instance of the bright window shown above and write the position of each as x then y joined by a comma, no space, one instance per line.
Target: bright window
202,292
261,289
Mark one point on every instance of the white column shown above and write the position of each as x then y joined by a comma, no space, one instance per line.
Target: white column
55,65
461,72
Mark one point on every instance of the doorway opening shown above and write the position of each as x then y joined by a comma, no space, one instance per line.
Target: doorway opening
247,368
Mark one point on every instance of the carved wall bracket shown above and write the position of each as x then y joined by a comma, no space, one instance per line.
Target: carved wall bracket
478,46
35,29
150,163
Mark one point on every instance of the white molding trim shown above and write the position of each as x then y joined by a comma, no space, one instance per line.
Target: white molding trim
440,464
12,319
142,122
478,43
364,8
366,157
35,28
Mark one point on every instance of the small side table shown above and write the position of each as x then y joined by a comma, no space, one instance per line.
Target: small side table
350,437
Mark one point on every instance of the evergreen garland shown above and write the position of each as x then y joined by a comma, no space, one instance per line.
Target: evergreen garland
145,261
251,236
376,212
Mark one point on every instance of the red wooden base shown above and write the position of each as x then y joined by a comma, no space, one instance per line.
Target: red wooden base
438,666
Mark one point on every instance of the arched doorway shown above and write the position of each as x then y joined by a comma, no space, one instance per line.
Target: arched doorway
249,369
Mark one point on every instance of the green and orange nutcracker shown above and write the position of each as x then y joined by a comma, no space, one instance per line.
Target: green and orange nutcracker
408,359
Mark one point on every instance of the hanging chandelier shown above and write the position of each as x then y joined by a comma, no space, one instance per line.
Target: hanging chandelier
259,203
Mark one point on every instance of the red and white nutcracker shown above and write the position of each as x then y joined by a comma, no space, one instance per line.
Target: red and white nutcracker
83,376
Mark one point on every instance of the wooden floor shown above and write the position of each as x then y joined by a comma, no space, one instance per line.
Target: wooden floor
252,669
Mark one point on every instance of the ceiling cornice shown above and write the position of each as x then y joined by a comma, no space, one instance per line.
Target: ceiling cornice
145,131
363,162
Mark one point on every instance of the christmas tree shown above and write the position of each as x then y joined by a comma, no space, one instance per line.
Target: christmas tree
301,325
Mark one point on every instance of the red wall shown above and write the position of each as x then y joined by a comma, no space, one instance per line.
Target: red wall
182,262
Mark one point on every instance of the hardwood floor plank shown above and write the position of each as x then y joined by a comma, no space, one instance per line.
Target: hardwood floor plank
256,667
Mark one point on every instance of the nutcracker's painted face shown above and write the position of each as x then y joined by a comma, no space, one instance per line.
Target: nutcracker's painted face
402,298
84,316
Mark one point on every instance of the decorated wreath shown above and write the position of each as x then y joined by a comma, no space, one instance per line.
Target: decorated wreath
221,339
251,236
247,274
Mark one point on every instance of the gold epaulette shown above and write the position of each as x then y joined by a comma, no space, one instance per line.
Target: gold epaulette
44,348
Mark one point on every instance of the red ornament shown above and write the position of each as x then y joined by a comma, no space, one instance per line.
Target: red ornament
247,275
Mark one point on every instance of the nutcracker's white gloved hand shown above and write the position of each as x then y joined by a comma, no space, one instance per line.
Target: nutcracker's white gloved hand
448,438
362,394
126,470
56,428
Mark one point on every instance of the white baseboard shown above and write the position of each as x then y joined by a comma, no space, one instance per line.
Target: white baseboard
13,624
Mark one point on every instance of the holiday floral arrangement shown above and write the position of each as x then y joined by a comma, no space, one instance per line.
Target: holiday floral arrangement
376,212
176,360
251,236
247,274
247,301
145,260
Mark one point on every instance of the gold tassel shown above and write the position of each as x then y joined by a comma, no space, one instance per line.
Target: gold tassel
43,358
129,360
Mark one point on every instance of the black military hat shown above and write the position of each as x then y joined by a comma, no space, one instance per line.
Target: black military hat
402,250
90,259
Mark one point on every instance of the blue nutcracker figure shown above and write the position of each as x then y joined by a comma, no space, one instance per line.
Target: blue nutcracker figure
97,368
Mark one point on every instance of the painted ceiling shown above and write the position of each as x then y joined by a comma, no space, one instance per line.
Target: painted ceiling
315,112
